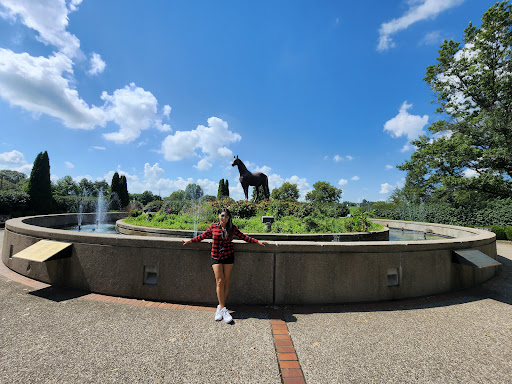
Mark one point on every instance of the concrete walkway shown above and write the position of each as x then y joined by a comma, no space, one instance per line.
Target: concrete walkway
56,336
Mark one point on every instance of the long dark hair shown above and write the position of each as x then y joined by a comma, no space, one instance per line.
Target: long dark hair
229,226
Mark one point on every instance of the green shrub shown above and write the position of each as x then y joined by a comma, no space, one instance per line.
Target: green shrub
135,213
155,205
508,232
499,230
12,201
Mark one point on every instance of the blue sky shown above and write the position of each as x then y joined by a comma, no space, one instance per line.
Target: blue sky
167,92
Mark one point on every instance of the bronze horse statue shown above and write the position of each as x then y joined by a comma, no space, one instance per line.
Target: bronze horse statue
251,179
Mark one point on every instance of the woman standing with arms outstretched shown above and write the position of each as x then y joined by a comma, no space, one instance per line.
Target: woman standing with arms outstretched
223,256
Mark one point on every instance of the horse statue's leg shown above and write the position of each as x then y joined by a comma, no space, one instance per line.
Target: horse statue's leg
246,191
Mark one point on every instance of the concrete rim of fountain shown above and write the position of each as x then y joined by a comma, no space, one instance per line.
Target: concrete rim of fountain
282,273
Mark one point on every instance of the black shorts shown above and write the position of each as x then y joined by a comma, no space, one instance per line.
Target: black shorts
227,260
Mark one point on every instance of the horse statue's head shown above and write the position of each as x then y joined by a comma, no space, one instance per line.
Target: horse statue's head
236,161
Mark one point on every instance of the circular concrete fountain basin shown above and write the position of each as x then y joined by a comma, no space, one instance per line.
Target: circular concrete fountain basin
282,273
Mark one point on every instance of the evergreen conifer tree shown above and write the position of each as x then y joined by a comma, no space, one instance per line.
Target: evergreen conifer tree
220,190
39,185
226,188
115,186
123,191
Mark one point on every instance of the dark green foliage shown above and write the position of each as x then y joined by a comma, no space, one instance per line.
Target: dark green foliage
177,195
223,190
115,185
11,180
65,186
243,209
174,207
123,191
499,230
286,192
135,213
508,232
261,194
324,193
154,206
310,223
472,84
14,203
40,186
145,197
67,204
487,213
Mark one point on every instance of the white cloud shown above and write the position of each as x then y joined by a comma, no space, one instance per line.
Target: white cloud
432,38
133,109
47,17
98,148
302,185
97,64
39,85
407,147
45,85
355,178
203,165
386,188
388,167
419,10
338,158
342,182
470,173
69,165
405,124
15,161
211,141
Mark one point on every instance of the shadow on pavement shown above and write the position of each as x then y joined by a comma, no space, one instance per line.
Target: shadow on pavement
58,294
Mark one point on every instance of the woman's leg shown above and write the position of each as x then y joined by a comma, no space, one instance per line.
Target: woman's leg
218,270
228,268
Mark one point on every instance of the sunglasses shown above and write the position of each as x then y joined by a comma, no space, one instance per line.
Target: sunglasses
226,216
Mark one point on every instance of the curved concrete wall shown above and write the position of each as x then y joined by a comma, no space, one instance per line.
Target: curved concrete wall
283,272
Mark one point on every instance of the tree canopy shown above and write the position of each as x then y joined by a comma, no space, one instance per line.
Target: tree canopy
286,192
324,193
469,155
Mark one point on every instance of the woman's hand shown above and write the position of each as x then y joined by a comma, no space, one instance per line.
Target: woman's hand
262,243
186,242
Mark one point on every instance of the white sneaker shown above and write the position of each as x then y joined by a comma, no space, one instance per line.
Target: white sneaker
225,315
218,315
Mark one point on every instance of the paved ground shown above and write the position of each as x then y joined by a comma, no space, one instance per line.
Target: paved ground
62,337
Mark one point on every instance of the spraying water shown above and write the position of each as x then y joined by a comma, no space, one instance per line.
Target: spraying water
101,208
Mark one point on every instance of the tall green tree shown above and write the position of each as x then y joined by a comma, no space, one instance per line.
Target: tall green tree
123,191
221,189
469,155
115,185
39,185
286,192
324,193
65,186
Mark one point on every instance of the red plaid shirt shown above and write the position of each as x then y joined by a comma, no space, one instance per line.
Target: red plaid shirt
222,248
